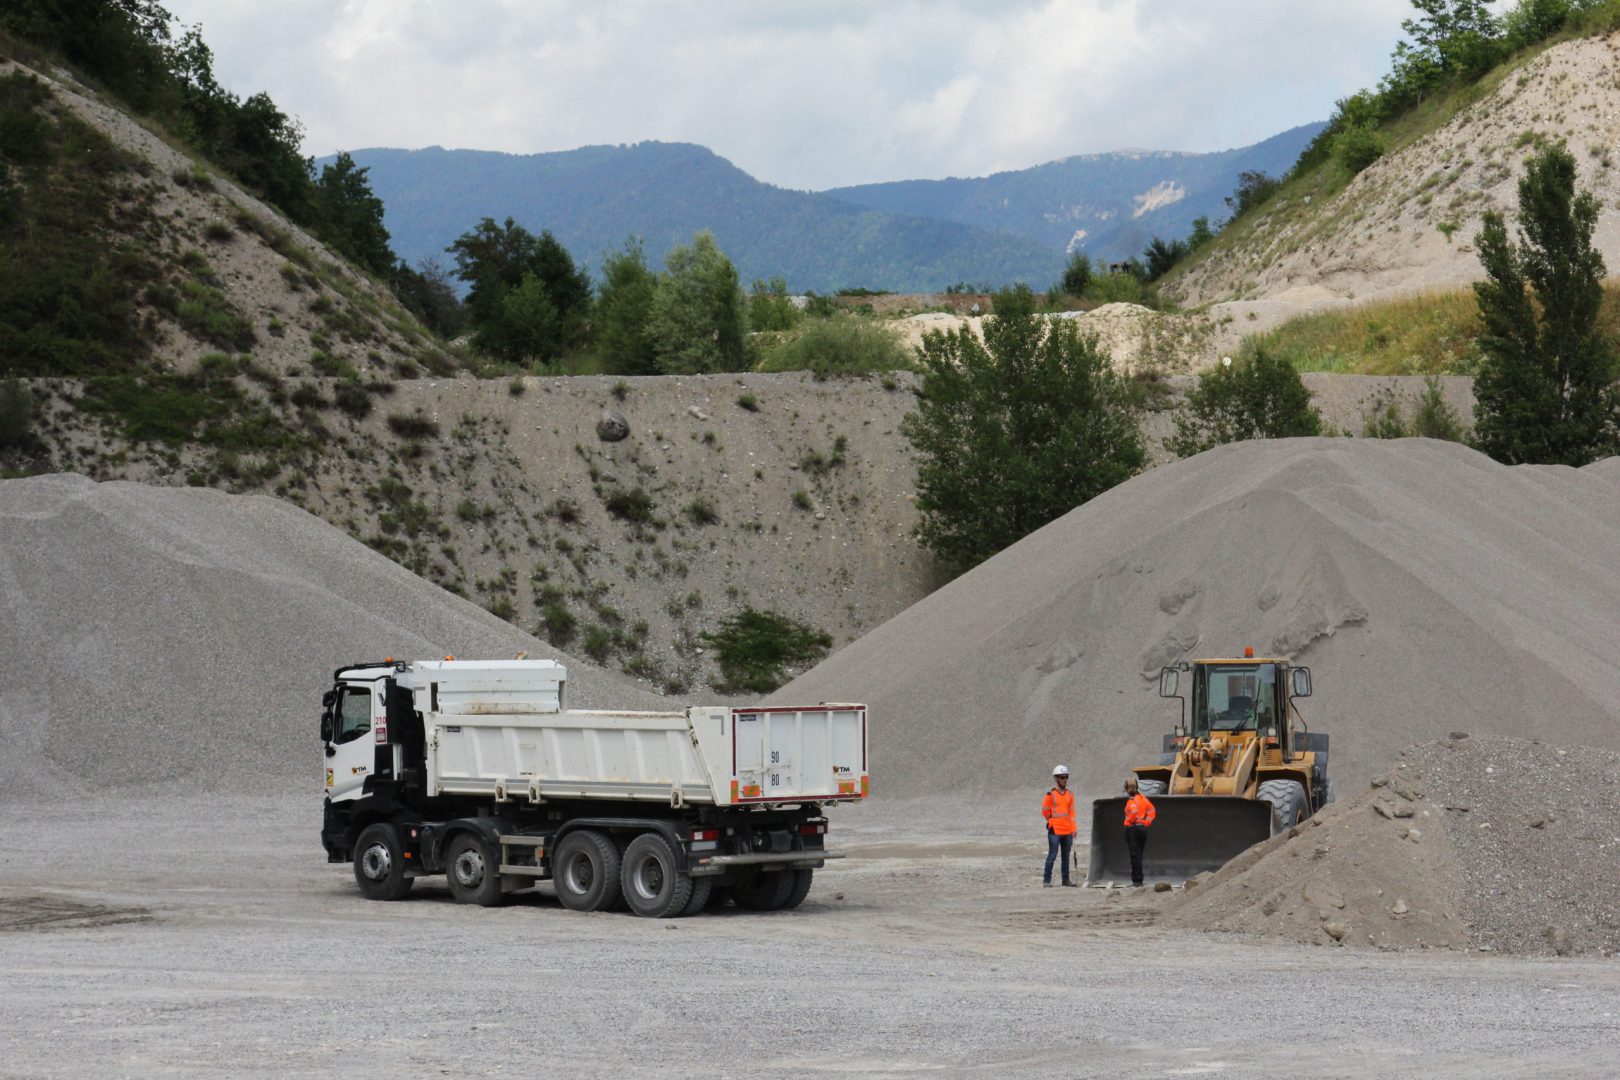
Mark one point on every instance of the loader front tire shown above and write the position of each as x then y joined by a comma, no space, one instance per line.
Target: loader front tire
1287,799
1150,788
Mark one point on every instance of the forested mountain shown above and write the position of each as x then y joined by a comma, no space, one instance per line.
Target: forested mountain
1107,205
594,198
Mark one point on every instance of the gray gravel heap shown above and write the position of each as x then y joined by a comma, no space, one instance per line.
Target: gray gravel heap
1428,587
181,638
1471,842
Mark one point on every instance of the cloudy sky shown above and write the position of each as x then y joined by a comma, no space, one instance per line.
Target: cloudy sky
807,94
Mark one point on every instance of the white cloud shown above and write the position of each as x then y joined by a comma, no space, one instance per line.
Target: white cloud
803,95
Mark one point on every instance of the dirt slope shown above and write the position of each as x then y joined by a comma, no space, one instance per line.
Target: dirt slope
1429,588
1407,223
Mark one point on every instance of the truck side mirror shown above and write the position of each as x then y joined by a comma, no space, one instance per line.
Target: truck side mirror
1301,677
1168,680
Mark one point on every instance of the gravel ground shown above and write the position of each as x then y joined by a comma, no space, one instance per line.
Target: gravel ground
181,938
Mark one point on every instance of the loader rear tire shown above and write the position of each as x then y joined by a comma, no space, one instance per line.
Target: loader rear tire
585,871
1287,799
1150,788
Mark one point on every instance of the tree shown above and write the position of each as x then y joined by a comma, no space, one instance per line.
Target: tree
1077,275
1544,392
770,307
1259,397
1201,234
1162,256
351,215
498,260
1254,187
1015,431
623,308
426,293
699,320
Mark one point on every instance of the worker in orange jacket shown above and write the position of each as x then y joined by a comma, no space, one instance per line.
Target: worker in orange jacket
1058,810
1139,814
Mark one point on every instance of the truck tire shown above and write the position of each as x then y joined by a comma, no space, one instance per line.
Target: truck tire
473,871
800,889
1287,799
702,889
719,897
379,863
1150,788
585,871
768,891
653,885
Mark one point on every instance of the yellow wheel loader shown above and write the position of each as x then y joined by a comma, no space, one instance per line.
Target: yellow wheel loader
1244,768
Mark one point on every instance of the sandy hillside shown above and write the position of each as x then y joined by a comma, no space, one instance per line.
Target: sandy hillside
1407,223
1429,588
183,637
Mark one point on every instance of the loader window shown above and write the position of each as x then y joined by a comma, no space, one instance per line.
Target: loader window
354,713
1235,698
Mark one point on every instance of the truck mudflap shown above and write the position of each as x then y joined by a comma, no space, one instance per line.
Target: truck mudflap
1189,835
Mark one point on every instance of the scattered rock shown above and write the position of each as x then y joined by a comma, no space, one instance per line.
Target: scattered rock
1161,886
1458,736
697,413
1320,895
1413,835
1400,907
1335,929
1558,938
1538,823
612,426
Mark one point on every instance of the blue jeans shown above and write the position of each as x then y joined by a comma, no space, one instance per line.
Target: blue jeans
1054,843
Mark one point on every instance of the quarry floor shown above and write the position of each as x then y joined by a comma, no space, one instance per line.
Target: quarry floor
178,937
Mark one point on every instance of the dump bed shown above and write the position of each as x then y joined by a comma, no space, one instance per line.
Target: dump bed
503,730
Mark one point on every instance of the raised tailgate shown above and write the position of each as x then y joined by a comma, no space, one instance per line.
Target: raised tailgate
791,755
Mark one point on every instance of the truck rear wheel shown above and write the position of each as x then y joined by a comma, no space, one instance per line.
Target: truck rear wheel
585,871
768,891
1287,799
800,889
379,863
474,875
654,886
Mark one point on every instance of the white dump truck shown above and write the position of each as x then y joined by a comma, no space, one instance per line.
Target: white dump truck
478,770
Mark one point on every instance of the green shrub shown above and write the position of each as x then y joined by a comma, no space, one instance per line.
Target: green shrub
208,315
352,399
801,499
413,427
1358,146
1434,418
1259,397
843,345
598,644
755,648
748,402
634,505
557,623
701,511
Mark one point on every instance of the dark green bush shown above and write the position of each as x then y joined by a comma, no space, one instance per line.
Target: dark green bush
755,648
634,505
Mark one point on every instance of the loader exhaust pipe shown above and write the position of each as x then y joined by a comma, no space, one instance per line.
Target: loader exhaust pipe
1190,835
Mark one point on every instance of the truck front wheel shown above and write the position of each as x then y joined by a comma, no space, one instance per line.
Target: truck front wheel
585,871
472,872
653,886
379,863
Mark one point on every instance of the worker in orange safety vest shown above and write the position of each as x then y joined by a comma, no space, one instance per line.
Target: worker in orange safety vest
1058,810
1139,814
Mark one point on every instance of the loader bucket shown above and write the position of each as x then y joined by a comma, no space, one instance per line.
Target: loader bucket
1189,835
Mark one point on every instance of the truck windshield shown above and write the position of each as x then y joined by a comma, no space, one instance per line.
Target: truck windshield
1234,697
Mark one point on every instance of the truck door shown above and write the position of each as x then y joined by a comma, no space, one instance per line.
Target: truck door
350,745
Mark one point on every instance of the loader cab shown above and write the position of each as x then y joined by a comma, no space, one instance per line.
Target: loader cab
1235,697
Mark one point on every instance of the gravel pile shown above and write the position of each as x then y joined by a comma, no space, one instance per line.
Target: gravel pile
1497,844
1429,588
182,638
1536,831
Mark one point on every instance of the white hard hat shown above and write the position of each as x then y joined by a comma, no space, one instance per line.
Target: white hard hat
1061,770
